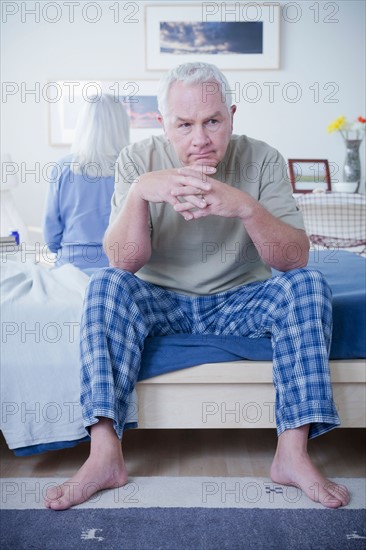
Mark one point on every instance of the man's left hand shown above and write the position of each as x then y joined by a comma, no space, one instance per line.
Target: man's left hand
222,199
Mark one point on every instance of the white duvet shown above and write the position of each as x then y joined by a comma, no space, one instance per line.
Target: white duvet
41,310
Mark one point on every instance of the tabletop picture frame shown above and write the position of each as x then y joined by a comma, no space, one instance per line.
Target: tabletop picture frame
307,175
245,37
138,97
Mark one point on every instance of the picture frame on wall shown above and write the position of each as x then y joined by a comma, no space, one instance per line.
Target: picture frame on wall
138,97
233,36
306,175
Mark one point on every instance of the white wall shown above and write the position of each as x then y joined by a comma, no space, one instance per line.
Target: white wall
330,52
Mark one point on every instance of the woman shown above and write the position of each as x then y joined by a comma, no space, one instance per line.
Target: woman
81,186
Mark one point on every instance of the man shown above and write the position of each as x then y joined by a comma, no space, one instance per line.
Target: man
199,184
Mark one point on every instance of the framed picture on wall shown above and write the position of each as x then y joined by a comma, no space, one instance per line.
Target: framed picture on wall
233,36
68,96
309,174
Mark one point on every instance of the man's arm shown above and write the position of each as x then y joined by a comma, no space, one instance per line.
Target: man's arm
280,245
127,241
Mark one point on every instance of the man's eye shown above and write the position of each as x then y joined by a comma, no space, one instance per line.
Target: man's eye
184,125
213,121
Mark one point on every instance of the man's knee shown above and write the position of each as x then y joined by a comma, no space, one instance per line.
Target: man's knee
309,281
110,276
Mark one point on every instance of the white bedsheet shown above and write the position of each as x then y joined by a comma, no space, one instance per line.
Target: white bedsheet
41,310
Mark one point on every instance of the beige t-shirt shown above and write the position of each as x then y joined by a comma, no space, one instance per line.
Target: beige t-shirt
212,254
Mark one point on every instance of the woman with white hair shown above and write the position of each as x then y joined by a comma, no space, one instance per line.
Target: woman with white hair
79,196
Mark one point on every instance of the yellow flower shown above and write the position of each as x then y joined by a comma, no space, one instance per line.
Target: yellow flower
337,124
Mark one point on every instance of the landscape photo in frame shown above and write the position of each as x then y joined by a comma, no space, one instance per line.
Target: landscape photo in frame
183,33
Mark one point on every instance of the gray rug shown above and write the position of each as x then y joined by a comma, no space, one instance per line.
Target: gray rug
183,529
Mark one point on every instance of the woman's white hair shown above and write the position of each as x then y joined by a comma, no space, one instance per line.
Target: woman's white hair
102,130
193,73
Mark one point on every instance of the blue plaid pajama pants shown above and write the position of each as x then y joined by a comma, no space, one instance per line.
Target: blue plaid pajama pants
121,310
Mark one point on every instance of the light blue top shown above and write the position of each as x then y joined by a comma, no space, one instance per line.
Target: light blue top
77,215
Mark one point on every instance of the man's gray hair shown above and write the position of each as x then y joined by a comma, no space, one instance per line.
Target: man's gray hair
194,73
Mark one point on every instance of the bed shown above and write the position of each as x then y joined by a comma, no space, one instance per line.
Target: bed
185,381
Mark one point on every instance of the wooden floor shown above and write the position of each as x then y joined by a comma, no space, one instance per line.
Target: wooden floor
339,453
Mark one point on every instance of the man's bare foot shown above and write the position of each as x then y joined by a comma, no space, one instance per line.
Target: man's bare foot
104,469
91,478
292,466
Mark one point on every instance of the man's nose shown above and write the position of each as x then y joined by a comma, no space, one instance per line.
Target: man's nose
200,136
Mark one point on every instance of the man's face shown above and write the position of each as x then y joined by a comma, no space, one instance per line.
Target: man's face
198,124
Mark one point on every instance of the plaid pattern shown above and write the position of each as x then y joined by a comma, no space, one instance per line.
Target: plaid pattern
335,220
294,308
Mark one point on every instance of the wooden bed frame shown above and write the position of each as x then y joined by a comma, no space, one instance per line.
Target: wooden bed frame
238,394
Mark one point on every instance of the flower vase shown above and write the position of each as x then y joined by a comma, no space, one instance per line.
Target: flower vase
352,163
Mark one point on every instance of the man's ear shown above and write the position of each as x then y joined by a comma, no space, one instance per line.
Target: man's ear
160,119
232,112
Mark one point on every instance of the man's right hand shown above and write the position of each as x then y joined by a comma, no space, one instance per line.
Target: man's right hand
131,225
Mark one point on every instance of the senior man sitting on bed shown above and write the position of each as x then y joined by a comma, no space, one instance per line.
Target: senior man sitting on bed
183,203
